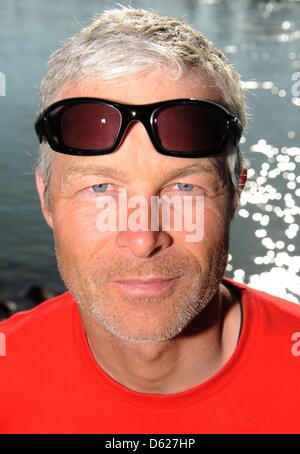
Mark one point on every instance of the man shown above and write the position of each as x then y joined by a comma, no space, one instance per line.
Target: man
151,338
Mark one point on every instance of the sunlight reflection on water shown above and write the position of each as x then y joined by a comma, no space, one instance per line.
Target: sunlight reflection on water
261,192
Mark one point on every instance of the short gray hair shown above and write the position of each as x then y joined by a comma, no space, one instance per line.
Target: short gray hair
126,41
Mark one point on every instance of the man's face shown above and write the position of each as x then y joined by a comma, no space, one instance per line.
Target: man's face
90,260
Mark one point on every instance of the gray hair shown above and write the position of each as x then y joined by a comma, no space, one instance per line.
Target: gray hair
126,41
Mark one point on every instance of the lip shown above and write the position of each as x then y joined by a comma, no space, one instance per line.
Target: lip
146,287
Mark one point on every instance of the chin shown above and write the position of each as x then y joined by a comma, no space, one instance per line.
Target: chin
143,324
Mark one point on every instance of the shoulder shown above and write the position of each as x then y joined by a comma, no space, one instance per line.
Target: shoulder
35,340
267,304
49,313
38,347
273,324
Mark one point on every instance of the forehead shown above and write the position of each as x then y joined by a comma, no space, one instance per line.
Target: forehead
143,88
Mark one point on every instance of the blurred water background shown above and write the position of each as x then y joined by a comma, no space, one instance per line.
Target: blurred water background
262,39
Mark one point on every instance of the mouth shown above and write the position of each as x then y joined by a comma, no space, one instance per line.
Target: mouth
145,287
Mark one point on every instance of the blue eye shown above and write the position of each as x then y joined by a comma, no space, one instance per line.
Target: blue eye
102,187
185,186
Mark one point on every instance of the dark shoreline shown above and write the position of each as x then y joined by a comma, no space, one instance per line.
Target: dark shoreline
24,299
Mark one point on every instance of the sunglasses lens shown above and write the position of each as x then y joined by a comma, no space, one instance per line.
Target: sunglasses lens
191,128
85,126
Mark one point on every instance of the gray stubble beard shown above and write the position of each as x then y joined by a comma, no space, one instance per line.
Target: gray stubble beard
191,305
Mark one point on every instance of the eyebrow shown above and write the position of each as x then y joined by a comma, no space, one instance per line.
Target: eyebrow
194,169
76,170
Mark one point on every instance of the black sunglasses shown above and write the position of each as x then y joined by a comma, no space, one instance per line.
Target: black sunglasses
179,127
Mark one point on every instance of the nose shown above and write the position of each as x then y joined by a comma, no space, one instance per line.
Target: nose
143,244
143,238
140,242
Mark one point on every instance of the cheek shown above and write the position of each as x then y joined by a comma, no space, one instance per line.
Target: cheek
215,219
75,227
213,224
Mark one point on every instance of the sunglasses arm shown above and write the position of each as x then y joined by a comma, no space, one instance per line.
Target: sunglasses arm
237,130
39,127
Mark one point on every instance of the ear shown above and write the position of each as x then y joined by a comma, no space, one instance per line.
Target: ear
40,185
243,179
237,193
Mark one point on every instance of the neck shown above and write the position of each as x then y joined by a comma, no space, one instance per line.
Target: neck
183,362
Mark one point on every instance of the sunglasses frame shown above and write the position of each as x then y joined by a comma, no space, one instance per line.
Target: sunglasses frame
146,114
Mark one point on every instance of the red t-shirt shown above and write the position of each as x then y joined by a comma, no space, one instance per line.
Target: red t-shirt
51,383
